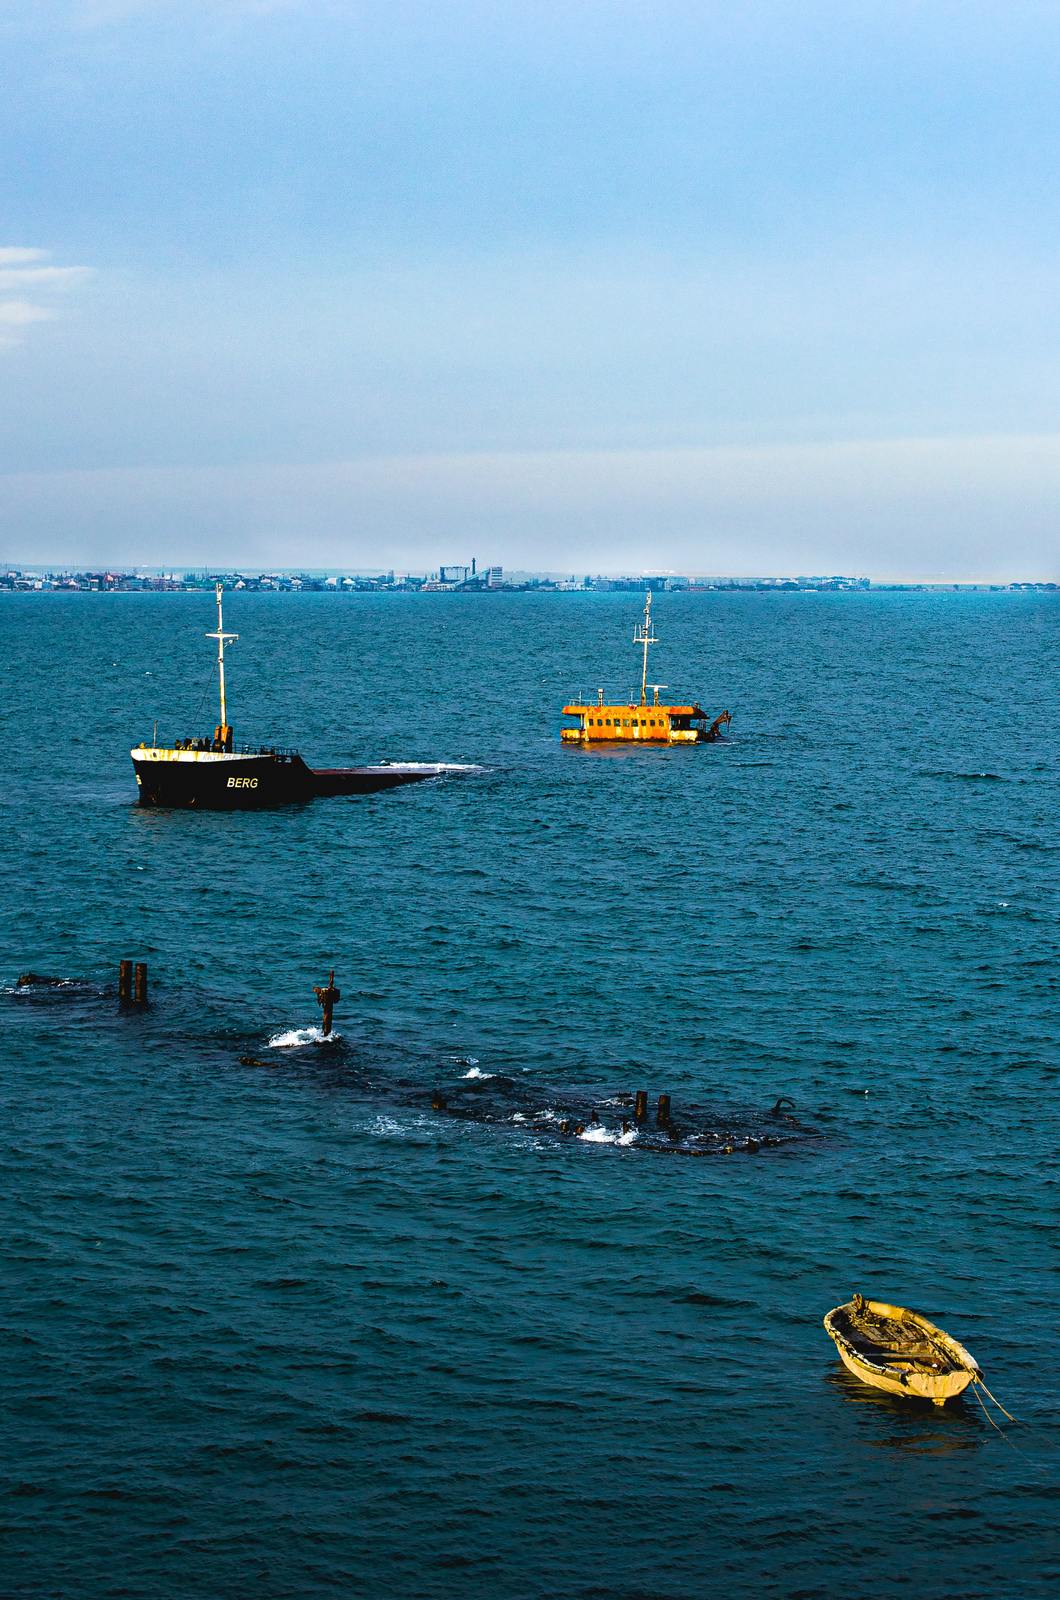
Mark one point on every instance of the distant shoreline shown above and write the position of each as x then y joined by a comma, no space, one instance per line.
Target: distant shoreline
22,580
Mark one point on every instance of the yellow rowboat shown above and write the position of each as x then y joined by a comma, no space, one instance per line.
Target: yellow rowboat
893,1348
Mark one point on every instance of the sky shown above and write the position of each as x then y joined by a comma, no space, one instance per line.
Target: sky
606,285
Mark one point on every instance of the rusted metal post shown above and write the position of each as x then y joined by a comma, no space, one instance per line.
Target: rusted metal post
640,1106
662,1112
125,969
140,984
327,997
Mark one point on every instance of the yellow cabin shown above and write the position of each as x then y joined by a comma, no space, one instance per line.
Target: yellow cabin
656,724
646,723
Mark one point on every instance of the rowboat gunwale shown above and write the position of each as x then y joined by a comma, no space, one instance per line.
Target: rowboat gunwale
911,1377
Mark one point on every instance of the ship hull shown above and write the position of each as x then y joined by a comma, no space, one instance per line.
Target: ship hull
636,736
252,783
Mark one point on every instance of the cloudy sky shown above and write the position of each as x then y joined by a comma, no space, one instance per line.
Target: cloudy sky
603,284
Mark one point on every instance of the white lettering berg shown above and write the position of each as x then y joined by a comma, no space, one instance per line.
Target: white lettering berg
242,783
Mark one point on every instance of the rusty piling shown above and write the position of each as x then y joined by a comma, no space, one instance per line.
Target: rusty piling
640,1106
662,1112
327,996
132,985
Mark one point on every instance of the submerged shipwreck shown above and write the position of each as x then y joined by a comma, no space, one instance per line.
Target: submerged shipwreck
643,722
213,773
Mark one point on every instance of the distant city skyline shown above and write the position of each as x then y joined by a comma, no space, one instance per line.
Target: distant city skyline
724,290
457,576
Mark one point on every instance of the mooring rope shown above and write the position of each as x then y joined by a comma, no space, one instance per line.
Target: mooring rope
977,1383
981,1385
986,1414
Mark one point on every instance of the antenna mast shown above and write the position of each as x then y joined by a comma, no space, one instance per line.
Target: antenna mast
223,639
642,634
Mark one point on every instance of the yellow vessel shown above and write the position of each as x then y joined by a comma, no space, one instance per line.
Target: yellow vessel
647,722
893,1348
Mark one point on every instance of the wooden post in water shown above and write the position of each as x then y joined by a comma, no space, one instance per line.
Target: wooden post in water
640,1106
662,1112
140,984
327,997
125,969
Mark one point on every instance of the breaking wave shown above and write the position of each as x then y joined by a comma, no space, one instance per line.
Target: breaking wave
298,1036
598,1134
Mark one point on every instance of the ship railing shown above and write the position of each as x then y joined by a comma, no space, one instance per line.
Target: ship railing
284,752
281,752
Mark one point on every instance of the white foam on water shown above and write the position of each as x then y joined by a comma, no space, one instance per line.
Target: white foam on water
297,1036
385,1127
434,766
601,1135
473,1072
388,1128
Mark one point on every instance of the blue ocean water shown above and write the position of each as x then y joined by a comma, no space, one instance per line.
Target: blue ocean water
283,1330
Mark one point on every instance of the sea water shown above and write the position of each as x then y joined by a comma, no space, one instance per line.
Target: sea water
275,1327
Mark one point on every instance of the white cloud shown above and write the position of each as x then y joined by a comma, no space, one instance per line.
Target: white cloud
20,313
40,277
23,271
16,255
16,316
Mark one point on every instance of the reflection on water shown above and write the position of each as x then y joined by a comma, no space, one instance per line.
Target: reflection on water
916,1426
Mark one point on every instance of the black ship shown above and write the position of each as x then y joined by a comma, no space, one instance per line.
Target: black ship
216,774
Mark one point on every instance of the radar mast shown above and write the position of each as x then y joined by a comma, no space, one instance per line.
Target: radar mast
643,634
224,731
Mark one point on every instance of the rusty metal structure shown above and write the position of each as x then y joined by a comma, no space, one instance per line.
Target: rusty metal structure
326,998
132,985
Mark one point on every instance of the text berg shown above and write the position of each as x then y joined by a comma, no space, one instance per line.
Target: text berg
242,783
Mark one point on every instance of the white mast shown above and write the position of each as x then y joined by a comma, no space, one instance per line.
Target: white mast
643,635
222,638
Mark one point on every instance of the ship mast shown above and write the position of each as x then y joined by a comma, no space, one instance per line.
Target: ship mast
643,634
223,639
